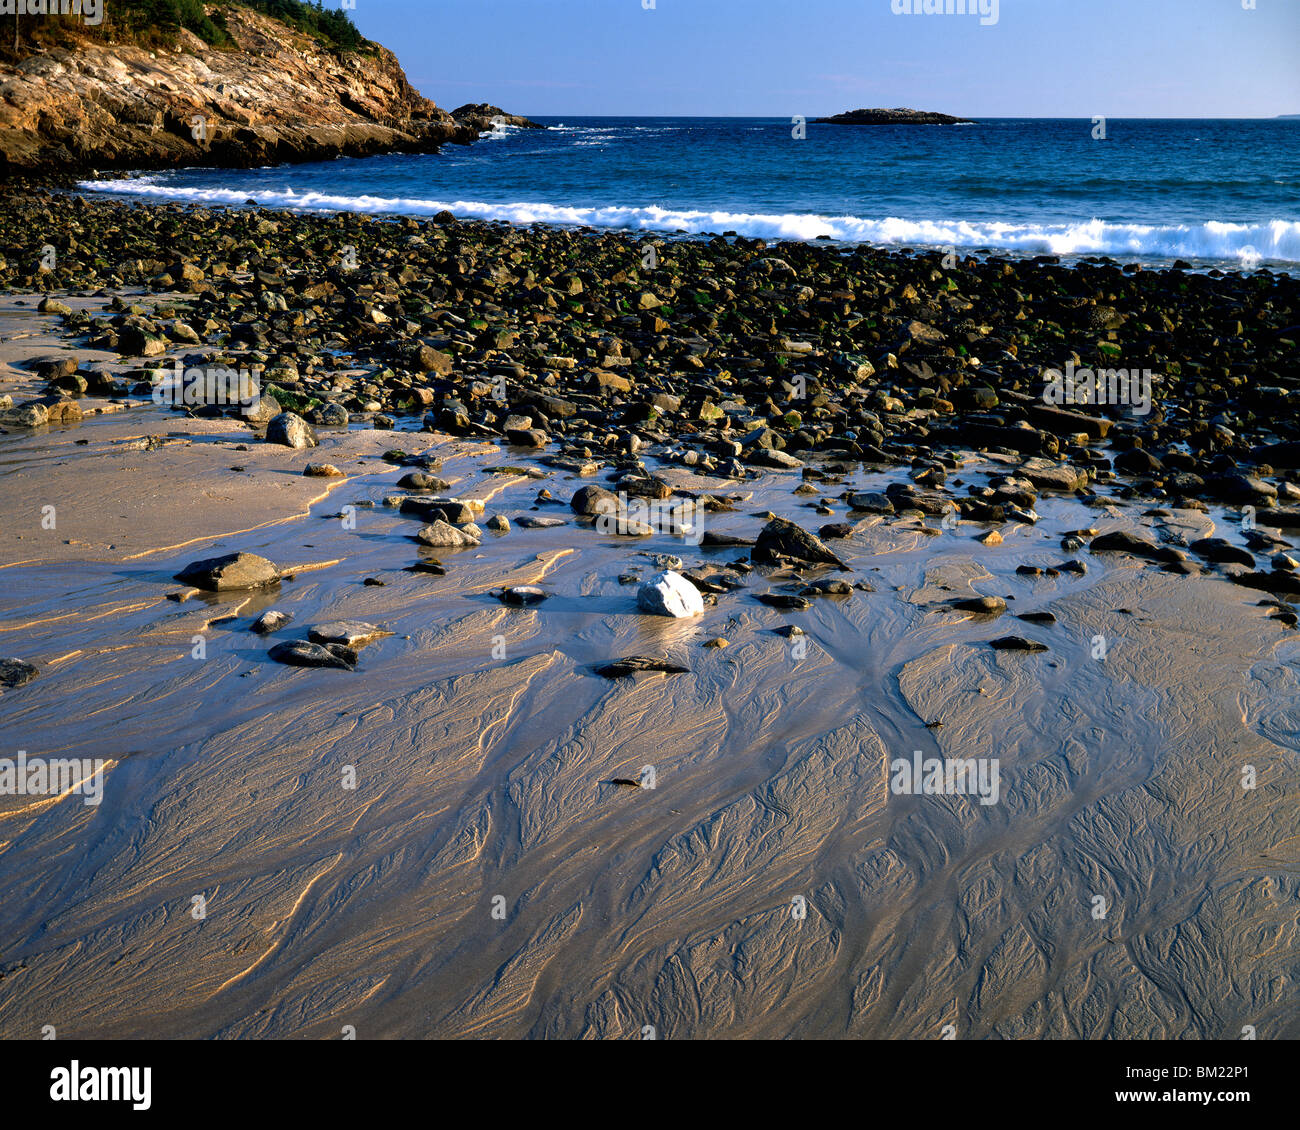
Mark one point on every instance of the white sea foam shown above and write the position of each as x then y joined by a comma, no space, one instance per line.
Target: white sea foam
499,130
1274,241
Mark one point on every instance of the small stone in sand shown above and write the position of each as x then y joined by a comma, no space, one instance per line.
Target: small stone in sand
670,594
271,620
443,534
592,499
1037,617
230,571
781,538
17,672
291,430
621,668
350,633
982,605
520,595
785,601
827,587
1016,643
418,480
666,561
300,653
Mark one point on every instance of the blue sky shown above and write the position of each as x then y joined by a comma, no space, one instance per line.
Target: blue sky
1042,58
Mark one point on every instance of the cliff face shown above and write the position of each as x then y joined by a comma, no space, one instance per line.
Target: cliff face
279,97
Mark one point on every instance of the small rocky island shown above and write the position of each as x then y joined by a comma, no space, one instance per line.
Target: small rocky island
485,115
900,116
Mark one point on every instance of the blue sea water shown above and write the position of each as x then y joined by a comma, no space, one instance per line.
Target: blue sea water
1221,192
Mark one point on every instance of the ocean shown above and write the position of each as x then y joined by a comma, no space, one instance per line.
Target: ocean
1217,193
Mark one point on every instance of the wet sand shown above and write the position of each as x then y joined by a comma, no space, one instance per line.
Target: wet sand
483,742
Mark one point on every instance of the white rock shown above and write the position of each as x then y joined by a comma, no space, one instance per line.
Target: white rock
670,594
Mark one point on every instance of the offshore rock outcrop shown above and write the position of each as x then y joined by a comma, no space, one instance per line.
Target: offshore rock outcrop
483,116
900,116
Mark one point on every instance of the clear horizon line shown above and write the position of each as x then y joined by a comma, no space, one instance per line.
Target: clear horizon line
980,118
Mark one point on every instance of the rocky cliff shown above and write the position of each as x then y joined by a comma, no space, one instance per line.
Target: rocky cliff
275,95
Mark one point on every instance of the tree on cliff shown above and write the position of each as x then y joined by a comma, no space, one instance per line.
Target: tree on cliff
149,23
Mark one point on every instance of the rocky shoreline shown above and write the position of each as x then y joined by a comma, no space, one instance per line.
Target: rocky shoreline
728,355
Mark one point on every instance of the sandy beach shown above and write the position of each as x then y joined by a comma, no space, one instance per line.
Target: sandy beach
430,846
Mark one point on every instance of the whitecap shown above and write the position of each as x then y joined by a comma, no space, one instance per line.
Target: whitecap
1276,240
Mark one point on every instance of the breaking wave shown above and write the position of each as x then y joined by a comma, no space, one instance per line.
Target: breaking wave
1272,241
